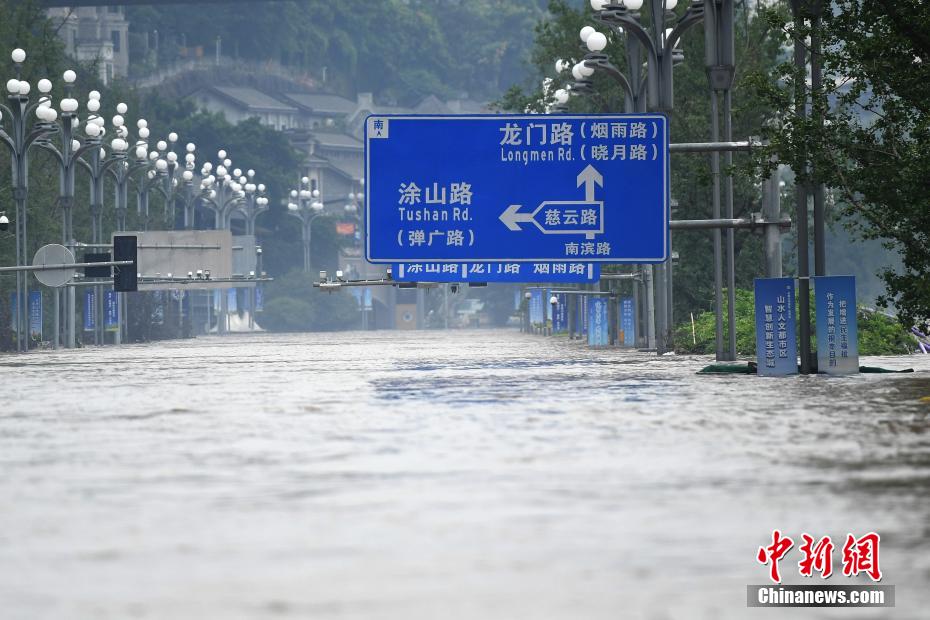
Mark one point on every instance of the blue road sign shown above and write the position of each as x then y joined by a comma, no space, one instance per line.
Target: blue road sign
598,322
496,272
536,306
89,314
837,333
560,314
111,321
590,188
35,314
627,322
776,321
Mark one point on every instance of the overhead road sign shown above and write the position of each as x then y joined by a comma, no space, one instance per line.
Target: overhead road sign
496,272
534,188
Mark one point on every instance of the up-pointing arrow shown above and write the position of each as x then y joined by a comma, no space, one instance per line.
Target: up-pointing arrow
589,176
511,218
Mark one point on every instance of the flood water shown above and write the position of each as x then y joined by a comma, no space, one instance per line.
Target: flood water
469,474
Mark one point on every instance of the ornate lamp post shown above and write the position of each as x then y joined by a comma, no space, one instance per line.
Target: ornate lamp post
19,140
68,155
305,206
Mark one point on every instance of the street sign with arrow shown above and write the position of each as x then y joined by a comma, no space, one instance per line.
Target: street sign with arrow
585,188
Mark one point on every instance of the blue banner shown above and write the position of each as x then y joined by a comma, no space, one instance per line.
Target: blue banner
496,272
627,322
259,298
35,314
560,314
562,187
537,315
837,333
581,316
776,327
90,319
231,304
111,321
598,321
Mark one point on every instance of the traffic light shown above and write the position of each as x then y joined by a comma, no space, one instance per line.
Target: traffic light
125,277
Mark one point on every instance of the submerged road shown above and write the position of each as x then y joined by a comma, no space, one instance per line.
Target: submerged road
471,474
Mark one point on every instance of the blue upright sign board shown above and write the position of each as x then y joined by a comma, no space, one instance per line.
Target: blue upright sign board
837,333
89,314
776,327
628,321
598,322
540,188
111,321
496,272
536,306
259,298
35,314
560,314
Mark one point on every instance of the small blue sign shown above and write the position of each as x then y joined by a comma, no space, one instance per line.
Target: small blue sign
776,327
627,322
542,188
537,312
111,320
35,315
560,314
837,329
598,321
89,314
496,272
259,298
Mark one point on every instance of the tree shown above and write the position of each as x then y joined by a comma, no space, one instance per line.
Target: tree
557,37
872,146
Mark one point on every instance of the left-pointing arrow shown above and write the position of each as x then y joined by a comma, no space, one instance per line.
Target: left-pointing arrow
512,218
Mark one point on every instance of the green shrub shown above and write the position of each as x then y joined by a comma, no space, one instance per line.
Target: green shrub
878,334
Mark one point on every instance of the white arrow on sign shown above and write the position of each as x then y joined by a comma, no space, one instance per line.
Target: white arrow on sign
589,176
512,218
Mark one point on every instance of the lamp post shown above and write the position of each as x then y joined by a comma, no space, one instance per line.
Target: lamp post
19,140
253,204
306,208
222,194
97,164
659,43
67,155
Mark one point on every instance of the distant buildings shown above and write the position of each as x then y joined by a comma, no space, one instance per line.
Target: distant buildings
97,36
326,129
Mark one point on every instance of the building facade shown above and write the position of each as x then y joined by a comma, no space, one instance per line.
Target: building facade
96,36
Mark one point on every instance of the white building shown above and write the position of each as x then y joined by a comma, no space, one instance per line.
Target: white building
95,35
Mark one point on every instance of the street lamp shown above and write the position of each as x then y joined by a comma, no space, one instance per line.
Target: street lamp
307,208
659,43
68,155
18,140
222,193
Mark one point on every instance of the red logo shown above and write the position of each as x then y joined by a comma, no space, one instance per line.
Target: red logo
860,555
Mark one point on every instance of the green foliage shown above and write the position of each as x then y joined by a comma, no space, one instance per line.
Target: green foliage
879,334
293,305
691,183
401,50
872,147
